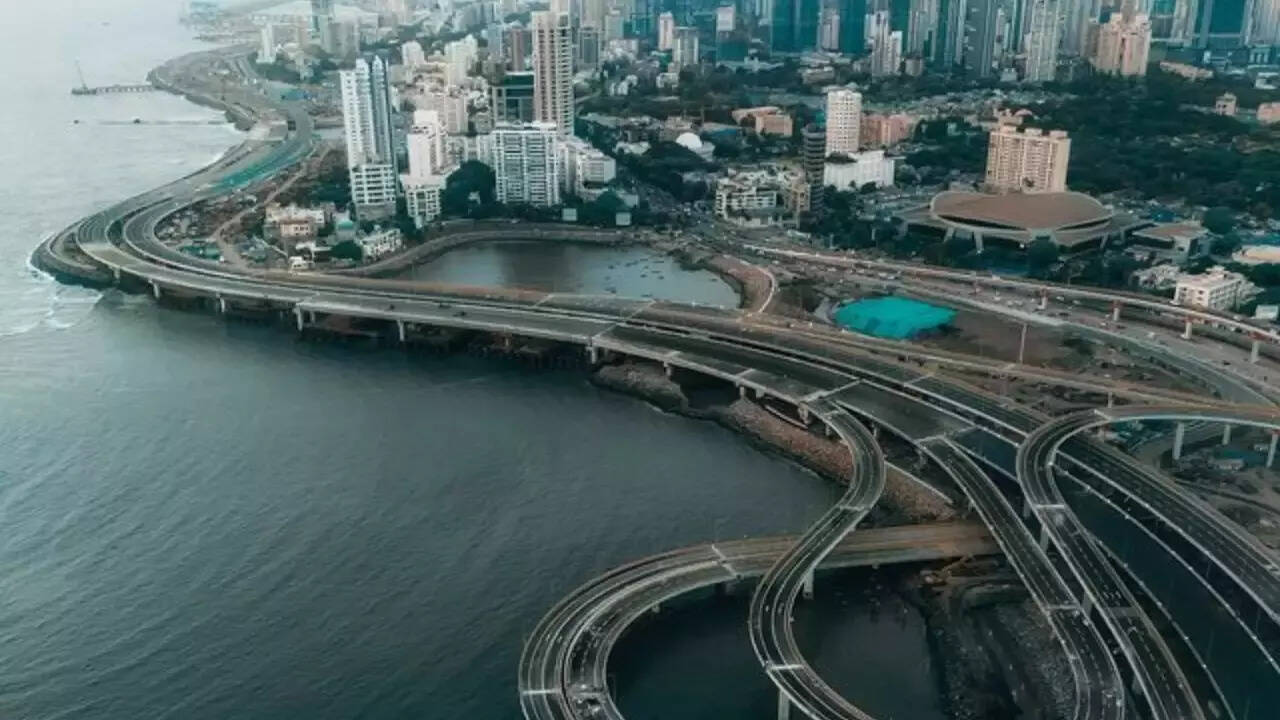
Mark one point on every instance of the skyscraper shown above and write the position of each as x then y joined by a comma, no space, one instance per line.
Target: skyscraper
512,98
844,121
588,48
553,70
368,132
666,31
883,45
321,15
794,25
1266,22
1029,161
523,158
815,156
684,51
853,36
1044,30
922,27
1124,42
986,22
949,50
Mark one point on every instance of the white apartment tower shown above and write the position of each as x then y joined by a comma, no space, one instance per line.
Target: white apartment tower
367,129
427,155
525,163
1124,43
684,51
412,55
884,45
553,70
1044,31
1029,161
666,31
844,121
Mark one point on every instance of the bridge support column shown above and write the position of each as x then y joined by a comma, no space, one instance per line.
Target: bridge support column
155,289
1044,301
977,243
1087,605
804,414
1026,508
1186,330
1271,449
1115,312
1022,344
807,588
1111,399
1253,351
1044,537
742,391
666,367
784,707
297,313
222,305
400,329
1226,434
593,355
1178,435
115,272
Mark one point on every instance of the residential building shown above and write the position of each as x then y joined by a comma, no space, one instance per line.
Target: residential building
425,141
1269,112
379,243
519,39
450,104
586,171
1124,43
666,31
460,58
794,25
1215,289
1266,23
767,120
1172,242
858,170
291,224
884,45
422,197
829,29
588,48
726,19
986,36
1044,32
511,98
684,52
759,198
553,70
1156,277
524,162
844,119
1225,105
882,131
1189,72
412,55
367,112
1028,161
922,28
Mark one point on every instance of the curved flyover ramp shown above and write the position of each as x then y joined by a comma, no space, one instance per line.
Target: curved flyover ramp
772,603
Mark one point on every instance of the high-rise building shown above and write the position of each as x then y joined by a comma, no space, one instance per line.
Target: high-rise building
852,15
614,25
829,29
814,138
460,56
524,162
985,28
588,48
553,70
643,13
666,31
726,19
685,50
321,15
950,34
398,10
450,105
519,38
1044,30
922,26
1266,23
794,25
412,56
267,46
1077,17
495,36
512,98
367,114
884,45
844,118
1028,161
591,14
1124,43
425,142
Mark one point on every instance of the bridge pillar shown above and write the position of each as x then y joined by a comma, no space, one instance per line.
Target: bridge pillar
804,414
1044,301
742,391
1115,312
297,313
1178,435
977,243
400,328
1111,399
222,305
115,272
155,289
1022,344
784,707
666,367
807,587
1044,537
593,355
1186,331
1026,507
1226,434
1087,605
1253,351
1271,449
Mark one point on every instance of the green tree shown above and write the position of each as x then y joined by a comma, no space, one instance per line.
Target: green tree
1219,220
347,250
470,177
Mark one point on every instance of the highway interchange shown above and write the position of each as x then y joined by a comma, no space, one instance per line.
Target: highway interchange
1014,465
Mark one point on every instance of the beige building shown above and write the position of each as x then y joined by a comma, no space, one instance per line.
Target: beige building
1124,43
1183,70
881,131
768,120
844,121
1029,161
1216,289
1269,113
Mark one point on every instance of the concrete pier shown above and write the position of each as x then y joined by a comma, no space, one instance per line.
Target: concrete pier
155,289
297,313
1226,434
1186,331
1271,449
784,707
1253,351
1022,345
1115,312
807,588
1044,537
400,329
1178,435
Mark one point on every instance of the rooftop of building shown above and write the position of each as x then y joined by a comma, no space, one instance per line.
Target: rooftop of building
1020,211
1173,231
